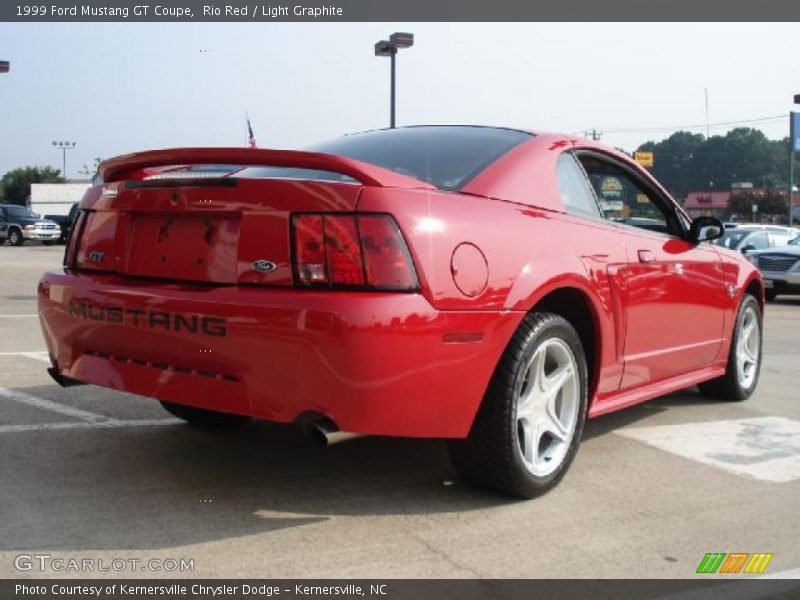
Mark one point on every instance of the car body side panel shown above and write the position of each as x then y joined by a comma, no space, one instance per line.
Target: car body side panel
529,254
740,273
676,306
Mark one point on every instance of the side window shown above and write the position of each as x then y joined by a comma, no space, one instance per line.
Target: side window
778,238
575,191
627,200
758,241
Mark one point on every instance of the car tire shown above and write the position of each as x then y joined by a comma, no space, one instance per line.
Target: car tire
204,418
770,295
744,357
15,237
538,387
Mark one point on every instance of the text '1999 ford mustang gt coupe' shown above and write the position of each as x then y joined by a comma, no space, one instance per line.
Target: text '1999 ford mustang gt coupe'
489,286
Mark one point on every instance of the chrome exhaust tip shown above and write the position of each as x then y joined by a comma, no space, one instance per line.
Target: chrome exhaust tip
325,433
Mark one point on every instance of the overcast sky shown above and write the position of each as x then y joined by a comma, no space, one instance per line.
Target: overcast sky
121,87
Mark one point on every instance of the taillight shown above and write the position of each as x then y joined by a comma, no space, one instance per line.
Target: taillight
352,251
74,235
311,263
386,258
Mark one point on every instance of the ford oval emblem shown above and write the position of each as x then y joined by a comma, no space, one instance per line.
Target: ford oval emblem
264,266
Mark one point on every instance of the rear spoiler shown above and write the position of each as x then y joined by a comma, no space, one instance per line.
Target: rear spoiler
129,166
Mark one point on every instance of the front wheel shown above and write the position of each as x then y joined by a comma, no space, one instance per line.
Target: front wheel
204,418
744,358
15,237
530,422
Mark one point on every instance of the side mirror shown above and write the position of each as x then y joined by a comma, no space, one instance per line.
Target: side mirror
747,248
705,229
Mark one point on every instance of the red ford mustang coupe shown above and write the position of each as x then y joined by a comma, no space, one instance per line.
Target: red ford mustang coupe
489,286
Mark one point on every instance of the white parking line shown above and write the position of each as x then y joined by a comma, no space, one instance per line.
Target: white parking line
17,316
790,574
109,424
43,404
37,355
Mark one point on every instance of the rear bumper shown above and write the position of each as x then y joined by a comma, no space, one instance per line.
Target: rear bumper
374,363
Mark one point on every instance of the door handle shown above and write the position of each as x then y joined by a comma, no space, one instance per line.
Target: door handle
645,256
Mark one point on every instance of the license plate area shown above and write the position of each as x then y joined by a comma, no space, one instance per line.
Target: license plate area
186,247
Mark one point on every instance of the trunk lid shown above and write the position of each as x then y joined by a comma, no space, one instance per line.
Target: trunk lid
160,215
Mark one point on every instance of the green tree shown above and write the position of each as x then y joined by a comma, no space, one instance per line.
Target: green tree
675,161
16,184
689,161
770,202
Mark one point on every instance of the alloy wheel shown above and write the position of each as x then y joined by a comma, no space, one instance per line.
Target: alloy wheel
547,402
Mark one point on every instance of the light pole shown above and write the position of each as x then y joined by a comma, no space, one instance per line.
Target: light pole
389,48
794,146
64,146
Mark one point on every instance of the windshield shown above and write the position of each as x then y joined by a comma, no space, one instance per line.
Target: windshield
795,242
446,156
732,238
20,212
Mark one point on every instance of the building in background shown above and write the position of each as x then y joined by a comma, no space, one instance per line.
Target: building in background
736,204
57,198
709,204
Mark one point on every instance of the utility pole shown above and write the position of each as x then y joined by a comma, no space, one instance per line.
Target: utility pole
593,133
708,124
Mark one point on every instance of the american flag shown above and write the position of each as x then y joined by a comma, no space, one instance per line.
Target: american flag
251,138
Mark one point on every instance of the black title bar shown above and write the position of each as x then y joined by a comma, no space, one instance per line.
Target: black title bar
401,10
393,589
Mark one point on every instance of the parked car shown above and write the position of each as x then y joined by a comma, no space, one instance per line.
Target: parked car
18,224
780,268
442,282
64,222
747,238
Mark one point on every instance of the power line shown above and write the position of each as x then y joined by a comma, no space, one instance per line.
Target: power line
706,126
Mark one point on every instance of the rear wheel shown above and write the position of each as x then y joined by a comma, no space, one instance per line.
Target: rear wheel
203,417
744,359
530,422
15,237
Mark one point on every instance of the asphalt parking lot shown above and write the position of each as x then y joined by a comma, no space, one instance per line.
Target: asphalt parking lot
91,473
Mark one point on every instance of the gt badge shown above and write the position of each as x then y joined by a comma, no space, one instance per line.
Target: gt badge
96,257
